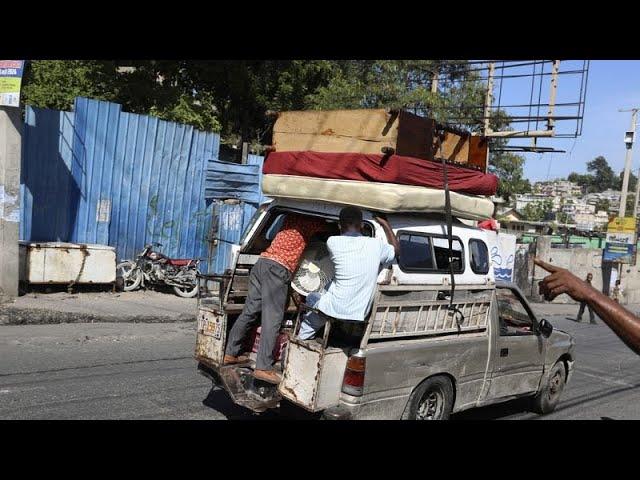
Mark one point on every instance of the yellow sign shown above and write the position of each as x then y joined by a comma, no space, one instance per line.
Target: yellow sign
10,80
622,225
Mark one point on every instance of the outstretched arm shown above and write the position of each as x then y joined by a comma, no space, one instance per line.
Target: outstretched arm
624,323
391,237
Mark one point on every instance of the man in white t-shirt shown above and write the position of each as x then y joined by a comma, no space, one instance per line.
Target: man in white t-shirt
357,260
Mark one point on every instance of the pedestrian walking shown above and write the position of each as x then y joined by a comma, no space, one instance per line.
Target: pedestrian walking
584,304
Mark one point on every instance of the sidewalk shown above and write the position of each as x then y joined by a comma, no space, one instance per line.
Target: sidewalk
92,307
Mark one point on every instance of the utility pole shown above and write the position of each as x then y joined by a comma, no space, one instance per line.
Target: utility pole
628,141
10,154
10,144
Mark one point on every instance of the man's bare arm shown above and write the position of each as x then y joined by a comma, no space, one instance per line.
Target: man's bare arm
388,231
624,323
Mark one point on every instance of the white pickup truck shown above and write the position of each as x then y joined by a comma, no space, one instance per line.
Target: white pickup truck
417,355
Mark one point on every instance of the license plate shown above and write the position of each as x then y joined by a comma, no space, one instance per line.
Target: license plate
212,328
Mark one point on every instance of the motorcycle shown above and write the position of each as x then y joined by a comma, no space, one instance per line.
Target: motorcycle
151,267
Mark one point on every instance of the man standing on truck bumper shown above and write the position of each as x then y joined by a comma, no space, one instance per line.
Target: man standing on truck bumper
356,261
268,289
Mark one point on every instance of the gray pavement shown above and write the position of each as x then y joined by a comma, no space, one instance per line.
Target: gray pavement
91,307
147,371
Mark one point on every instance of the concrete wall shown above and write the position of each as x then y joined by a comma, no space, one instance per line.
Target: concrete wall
580,261
10,145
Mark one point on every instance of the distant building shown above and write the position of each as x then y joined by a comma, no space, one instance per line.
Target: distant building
591,221
533,198
559,188
612,196
509,215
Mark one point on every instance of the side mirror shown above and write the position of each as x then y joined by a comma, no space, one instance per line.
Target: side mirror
545,328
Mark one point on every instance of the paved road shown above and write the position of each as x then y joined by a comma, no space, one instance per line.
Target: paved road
146,371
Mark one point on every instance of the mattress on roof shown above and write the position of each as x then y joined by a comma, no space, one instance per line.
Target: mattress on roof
383,197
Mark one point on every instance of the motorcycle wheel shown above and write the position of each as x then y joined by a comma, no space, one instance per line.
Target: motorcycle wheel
131,275
185,292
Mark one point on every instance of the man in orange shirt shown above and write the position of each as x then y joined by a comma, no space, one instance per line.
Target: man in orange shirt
268,288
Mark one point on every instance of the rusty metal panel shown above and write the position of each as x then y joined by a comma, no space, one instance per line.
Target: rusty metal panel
300,377
312,376
334,363
211,336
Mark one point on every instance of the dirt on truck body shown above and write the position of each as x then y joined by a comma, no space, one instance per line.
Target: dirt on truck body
418,355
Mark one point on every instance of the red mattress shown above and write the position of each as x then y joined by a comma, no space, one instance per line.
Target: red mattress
372,168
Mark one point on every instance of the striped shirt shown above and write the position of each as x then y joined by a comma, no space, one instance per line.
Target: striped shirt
356,261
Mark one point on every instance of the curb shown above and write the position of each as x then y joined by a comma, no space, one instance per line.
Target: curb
36,316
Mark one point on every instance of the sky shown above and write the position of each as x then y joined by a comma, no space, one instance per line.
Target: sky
612,85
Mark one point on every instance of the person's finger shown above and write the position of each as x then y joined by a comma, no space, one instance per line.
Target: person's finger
554,283
558,291
552,277
548,267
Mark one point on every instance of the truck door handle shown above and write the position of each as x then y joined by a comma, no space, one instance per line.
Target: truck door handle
504,352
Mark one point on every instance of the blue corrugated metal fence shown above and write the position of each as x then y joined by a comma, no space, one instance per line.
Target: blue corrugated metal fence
100,175
231,219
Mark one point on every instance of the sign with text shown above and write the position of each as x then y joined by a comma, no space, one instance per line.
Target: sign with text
10,82
618,252
622,225
621,240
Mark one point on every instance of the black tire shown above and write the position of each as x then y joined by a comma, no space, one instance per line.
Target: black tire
185,292
431,400
548,397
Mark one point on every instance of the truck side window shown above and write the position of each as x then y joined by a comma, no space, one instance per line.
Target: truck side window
479,256
423,252
513,317
441,251
415,252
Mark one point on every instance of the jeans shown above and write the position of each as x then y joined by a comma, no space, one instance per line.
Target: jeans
311,322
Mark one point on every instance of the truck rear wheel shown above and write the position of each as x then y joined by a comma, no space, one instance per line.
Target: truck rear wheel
431,400
548,397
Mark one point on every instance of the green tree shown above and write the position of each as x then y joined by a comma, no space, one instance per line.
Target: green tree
586,181
232,96
509,169
56,83
403,84
633,180
562,217
604,177
154,88
537,211
603,204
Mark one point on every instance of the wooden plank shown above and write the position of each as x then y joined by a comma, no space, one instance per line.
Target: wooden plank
365,124
296,142
478,153
360,131
455,148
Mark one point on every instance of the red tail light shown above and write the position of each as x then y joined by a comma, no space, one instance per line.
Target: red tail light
353,381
